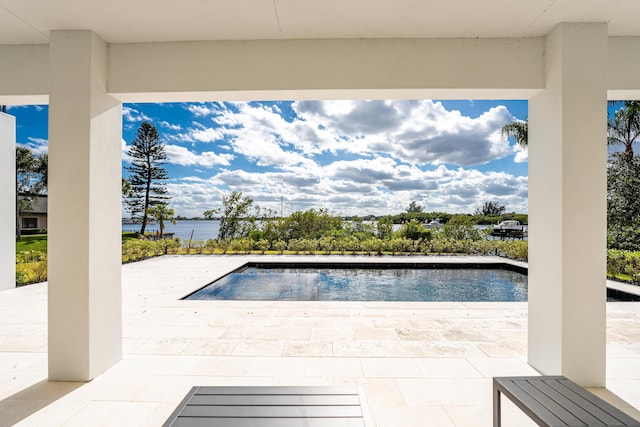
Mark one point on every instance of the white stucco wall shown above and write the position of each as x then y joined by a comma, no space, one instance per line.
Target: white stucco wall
7,201
25,74
318,69
623,65
85,125
325,69
567,208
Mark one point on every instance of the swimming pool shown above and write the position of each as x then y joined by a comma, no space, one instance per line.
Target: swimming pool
349,283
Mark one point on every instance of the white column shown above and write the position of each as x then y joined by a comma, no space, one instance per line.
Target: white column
567,207
7,201
85,308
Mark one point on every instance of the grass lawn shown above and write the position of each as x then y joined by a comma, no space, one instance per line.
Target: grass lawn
129,235
34,242
38,242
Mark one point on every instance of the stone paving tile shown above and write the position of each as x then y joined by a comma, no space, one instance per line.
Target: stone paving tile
434,392
34,413
312,348
394,416
382,391
423,335
252,347
223,366
501,367
277,366
357,349
503,349
406,349
313,323
332,334
378,334
334,367
211,347
100,413
628,369
385,367
446,367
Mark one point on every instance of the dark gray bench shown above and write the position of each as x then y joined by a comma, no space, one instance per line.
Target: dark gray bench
271,407
556,401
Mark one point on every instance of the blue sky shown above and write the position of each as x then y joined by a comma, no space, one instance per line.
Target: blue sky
350,157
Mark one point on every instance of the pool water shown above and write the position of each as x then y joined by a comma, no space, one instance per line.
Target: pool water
350,284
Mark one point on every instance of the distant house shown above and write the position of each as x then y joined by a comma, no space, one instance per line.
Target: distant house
36,218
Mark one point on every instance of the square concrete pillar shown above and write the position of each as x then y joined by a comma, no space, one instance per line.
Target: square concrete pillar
7,201
85,128
567,207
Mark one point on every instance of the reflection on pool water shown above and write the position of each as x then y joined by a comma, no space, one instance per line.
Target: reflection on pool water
350,284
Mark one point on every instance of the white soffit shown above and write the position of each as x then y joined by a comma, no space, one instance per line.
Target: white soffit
121,21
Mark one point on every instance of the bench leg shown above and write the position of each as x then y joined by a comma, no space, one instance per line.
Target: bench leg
496,407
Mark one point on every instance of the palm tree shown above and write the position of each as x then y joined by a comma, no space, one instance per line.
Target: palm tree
519,130
161,213
624,127
127,190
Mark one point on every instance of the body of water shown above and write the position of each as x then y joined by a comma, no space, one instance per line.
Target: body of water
202,230
346,284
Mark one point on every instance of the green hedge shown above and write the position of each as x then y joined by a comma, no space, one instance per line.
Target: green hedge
623,265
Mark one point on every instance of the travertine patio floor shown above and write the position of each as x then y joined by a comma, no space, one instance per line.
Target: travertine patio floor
419,363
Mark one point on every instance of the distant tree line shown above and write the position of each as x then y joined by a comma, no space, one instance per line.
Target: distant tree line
245,227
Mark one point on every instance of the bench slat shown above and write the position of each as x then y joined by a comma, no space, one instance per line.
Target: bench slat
272,411
269,422
608,412
554,406
557,401
577,410
274,390
262,400
529,405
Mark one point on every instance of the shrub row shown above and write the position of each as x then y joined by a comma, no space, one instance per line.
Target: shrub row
623,265
31,267
135,250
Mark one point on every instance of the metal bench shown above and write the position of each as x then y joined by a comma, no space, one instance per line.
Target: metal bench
271,407
556,401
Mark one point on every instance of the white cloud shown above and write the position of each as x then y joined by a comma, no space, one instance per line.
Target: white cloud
418,132
421,132
264,136
522,154
130,114
170,126
126,158
197,134
204,109
348,188
37,145
38,108
182,156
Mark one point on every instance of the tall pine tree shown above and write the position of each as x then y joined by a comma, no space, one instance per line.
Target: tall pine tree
147,174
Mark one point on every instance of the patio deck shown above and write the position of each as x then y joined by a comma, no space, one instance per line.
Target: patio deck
419,363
